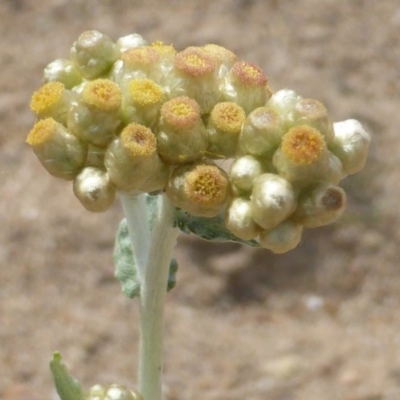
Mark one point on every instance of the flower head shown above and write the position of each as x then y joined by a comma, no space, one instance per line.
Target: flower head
102,94
303,145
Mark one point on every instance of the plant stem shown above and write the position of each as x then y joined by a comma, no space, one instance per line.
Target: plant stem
152,253
135,209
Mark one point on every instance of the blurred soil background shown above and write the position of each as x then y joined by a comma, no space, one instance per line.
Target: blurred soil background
319,323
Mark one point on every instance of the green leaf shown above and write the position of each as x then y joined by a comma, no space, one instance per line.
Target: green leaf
212,229
125,267
68,388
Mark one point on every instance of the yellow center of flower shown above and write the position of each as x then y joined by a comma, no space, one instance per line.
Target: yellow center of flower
303,145
181,112
194,62
102,94
138,140
140,57
163,49
206,186
249,74
228,117
219,53
46,97
145,92
42,132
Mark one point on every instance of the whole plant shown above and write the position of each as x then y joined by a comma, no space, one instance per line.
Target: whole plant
191,141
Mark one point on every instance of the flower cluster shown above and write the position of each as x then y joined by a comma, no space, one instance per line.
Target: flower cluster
136,118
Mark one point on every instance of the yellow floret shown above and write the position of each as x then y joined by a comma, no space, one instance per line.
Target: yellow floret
194,62
138,140
140,57
46,97
221,54
228,117
42,132
206,186
249,74
145,92
163,49
181,112
102,94
303,145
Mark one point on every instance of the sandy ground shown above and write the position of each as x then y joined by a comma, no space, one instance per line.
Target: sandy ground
321,322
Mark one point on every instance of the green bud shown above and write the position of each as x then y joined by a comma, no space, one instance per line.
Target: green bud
222,57
223,129
283,103
302,157
94,190
313,113
61,153
132,161
239,219
321,205
272,200
141,102
244,171
93,54
95,117
261,132
52,100
181,134
200,189
245,84
194,75
284,237
63,71
351,144
130,42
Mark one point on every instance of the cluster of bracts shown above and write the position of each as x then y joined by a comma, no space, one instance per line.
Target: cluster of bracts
199,124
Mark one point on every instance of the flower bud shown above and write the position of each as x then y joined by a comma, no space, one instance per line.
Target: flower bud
239,219
112,392
132,161
52,100
200,189
223,129
272,200
244,171
95,117
283,103
313,113
284,237
139,62
261,132
245,85
93,54
351,144
321,205
130,42
142,101
94,190
63,71
195,75
181,134
303,156
223,58
61,153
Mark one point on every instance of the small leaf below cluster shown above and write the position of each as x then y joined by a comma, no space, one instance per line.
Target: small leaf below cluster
212,229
